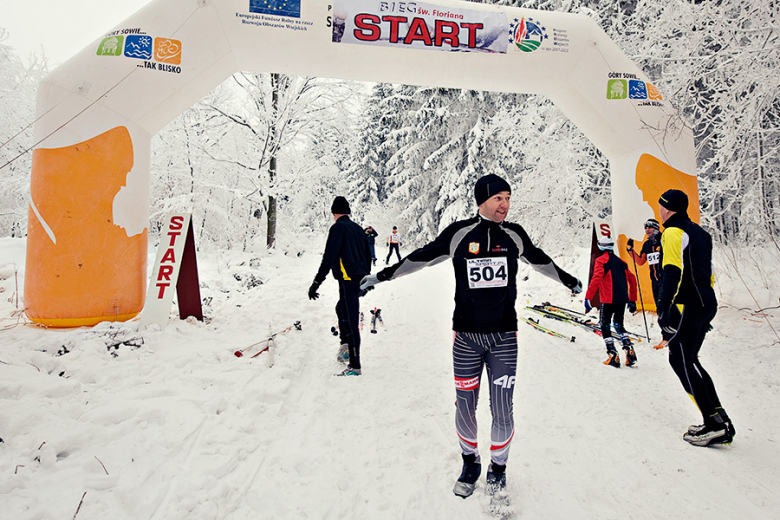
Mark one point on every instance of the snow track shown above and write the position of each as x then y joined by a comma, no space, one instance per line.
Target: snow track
186,430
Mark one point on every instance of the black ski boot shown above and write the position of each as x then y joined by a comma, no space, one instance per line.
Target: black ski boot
496,478
614,359
715,430
467,481
630,355
695,429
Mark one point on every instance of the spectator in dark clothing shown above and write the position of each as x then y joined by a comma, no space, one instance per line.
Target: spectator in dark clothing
371,235
348,257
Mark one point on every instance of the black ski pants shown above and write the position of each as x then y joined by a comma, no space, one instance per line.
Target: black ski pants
348,313
393,247
684,348
608,313
675,312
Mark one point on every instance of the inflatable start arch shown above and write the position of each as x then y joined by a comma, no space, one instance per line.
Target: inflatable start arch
87,229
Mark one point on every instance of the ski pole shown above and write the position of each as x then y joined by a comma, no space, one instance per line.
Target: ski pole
639,288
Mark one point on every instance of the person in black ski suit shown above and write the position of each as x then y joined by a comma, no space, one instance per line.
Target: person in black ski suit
371,235
687,282
348,257
485,251
652,254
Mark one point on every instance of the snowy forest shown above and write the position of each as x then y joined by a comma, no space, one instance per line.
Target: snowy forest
259,159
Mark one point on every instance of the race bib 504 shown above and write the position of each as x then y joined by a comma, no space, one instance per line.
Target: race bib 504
487,272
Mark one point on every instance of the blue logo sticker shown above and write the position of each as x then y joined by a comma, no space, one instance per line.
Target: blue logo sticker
291,8
138,46
637,89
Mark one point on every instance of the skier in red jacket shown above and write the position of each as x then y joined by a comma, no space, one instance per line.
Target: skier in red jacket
616,286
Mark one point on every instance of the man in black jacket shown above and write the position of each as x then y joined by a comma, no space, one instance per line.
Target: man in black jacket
371,235
348,257
485,251
687,283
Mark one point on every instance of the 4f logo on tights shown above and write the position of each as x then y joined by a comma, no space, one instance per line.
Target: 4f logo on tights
505,381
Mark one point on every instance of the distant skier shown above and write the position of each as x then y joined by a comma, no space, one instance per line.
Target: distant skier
687,282
616,286
347,256
371,235
485,252
394,241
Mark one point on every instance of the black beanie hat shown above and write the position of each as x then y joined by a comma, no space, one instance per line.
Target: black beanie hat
674,200
488,186
340,206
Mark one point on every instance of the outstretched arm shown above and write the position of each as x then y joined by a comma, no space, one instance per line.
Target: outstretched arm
538,259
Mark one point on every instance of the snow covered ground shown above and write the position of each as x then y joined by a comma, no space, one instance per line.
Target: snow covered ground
181,428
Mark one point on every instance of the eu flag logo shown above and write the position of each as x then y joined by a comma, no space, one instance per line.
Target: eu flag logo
291,8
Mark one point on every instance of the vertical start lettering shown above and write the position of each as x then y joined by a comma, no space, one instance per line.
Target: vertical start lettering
165,271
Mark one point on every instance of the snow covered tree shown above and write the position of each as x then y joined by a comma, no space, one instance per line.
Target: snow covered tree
18,85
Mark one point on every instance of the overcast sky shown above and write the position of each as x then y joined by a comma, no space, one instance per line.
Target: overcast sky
60,28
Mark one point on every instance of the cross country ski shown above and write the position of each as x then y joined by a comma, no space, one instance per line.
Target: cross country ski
376,317
540,328
269,341
576,318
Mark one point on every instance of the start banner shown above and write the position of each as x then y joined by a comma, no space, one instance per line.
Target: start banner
418,25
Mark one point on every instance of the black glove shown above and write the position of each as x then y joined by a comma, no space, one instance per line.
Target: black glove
630,244
665,318
632,307
577,289
313,294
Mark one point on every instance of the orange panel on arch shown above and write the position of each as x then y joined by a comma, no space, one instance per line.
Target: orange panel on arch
653,177
82,268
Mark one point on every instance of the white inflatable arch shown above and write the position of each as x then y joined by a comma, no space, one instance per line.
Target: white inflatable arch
87,229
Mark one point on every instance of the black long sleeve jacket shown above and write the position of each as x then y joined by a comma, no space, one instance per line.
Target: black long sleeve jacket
346,254
485,257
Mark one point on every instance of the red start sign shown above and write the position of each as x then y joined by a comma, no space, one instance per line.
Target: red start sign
176,265
165,268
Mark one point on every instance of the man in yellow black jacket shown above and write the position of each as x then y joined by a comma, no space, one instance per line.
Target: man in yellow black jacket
348,257
687,283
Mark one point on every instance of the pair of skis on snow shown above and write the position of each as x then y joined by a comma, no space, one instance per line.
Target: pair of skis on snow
269,343
564,315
